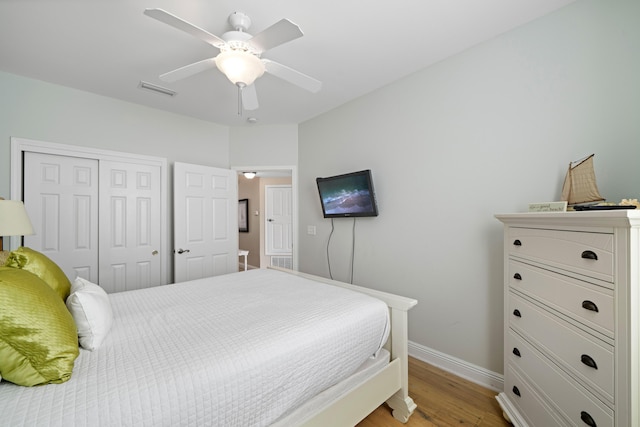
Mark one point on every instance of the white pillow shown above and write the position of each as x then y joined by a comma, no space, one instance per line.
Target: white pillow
91,310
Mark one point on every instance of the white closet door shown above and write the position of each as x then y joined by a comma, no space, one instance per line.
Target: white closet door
205,221
61,197
130,226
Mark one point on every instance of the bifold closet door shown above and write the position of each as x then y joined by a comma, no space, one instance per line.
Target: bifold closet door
130,226
96,219
61,197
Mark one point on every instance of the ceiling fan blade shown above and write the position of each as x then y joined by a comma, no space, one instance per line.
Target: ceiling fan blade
292,76
281,32
182,25
249,97
188,70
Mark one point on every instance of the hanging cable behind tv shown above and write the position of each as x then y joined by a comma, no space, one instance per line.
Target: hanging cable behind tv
353,249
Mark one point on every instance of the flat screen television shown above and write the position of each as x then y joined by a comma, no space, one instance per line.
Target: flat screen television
348,195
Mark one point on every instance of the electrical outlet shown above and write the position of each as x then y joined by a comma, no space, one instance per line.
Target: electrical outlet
311,230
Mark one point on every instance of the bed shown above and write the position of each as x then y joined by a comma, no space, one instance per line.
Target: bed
262,347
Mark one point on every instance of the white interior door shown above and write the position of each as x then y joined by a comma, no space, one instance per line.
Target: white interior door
130,224
205,221
278,226
61,197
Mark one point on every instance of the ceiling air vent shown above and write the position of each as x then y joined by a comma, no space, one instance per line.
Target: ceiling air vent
156,88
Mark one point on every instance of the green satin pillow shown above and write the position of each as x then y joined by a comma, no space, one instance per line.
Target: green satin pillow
38,338
40,265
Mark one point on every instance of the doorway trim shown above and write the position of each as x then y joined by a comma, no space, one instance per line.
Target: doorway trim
294,199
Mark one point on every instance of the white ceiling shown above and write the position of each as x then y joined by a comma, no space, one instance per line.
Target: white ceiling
352,46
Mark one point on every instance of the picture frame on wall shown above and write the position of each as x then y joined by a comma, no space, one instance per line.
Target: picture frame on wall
243,215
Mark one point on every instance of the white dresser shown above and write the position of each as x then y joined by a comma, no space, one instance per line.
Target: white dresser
572,319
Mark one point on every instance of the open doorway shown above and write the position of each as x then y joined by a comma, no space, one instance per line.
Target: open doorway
259,236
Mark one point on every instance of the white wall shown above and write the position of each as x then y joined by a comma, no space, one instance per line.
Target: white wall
273,145
484,132
37,110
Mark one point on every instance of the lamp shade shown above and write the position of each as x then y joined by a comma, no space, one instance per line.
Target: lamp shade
14,220
239,66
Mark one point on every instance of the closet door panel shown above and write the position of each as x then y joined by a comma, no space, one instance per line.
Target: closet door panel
61,197
48,218
130,210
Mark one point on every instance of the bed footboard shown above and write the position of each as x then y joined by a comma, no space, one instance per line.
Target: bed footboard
394,381
401,403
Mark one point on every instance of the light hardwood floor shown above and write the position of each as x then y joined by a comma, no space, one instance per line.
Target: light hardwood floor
443,399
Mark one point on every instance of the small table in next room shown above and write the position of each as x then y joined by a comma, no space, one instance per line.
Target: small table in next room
244,254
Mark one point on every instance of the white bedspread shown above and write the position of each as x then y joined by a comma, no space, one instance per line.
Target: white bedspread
234,350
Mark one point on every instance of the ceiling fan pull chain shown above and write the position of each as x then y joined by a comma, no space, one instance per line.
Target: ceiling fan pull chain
239,100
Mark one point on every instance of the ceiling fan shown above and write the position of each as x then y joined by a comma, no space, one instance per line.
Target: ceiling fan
240,54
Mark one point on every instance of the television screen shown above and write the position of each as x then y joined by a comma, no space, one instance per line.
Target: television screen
347,195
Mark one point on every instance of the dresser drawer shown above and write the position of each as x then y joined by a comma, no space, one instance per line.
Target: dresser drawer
569,398
589,254
588,358
589,304
529,403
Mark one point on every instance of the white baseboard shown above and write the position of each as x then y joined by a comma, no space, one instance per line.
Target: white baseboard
466,370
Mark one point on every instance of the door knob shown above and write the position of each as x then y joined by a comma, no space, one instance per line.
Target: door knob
181,251
154,253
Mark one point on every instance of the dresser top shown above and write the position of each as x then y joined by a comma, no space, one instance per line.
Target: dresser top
611,218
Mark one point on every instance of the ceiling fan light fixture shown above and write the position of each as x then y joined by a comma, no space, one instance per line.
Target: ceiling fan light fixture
241,67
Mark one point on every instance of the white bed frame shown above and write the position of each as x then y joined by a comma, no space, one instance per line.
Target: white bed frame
390,385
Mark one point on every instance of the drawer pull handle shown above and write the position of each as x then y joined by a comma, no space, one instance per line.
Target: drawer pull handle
516,391
516,313
588,360
589,305
589,255
517,243
516,352
517,276
584,416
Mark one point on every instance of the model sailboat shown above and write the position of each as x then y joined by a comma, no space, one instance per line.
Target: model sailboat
580,183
